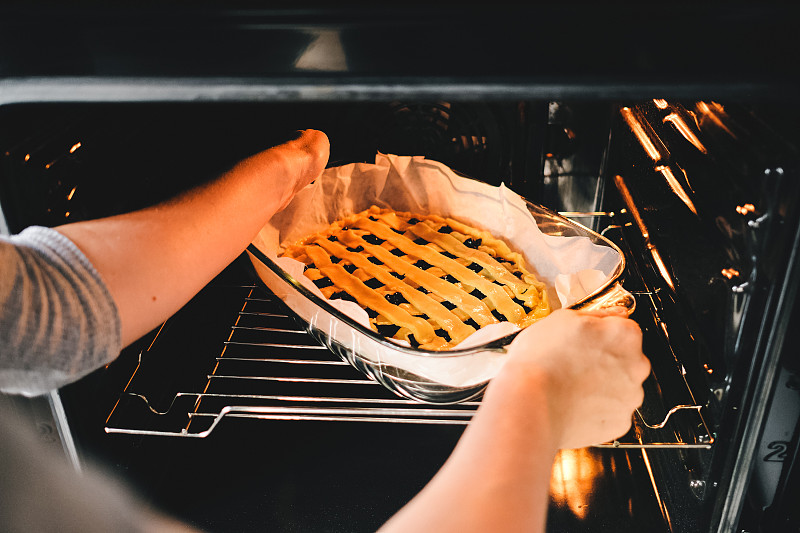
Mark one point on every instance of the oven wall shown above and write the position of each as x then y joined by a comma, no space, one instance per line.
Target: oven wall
67,162
716,218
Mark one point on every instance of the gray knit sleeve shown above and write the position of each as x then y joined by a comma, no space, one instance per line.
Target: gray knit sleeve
58,321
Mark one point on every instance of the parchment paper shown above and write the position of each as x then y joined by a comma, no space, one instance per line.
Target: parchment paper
572,267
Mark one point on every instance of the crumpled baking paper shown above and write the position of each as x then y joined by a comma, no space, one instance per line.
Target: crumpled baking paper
571,267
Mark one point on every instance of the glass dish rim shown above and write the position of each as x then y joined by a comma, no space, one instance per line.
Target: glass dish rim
497,345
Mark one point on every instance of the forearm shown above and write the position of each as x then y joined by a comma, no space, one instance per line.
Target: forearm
497,478
154,260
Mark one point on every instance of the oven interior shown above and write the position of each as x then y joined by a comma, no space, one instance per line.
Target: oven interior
229,415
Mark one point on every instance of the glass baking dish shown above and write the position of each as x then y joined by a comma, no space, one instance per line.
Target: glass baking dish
467,371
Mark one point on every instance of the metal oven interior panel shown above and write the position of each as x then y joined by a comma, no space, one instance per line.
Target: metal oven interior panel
712,192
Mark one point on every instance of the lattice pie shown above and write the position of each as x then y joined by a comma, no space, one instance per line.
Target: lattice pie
429,280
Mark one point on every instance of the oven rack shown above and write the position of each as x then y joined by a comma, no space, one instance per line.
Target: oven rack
291,377
269,368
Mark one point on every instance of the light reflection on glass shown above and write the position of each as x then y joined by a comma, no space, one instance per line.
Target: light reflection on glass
27,157
628,199
684,129
662,268
74,147
730,273
712,112
745,209
572,484
619,181
71,194
661,503
660,103
641,135
676,187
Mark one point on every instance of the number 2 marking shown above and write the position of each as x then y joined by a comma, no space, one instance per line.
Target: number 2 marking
780,448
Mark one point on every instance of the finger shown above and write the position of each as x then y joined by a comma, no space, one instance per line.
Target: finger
621,332
641,369
304,158
317,145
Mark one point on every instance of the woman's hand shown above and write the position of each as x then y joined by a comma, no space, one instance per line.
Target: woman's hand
590,367
291,165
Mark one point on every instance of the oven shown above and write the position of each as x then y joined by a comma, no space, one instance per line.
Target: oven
670,130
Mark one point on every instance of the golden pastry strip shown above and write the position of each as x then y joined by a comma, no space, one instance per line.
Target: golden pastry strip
420,328
473,306
496,270
426,279
495,293
453,325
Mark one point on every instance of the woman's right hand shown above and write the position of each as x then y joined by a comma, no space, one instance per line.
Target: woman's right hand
591,367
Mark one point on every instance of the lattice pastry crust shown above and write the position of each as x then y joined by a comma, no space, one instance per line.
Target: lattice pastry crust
429,280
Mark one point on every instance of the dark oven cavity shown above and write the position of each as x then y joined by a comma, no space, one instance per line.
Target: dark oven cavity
700,196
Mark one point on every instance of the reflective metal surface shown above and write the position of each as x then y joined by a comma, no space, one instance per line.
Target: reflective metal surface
624,50
725,282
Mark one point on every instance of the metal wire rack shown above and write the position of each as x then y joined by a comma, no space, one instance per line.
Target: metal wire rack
269,368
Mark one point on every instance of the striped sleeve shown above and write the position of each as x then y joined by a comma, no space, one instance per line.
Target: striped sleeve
58,322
